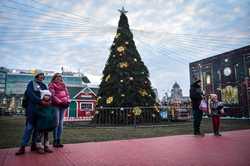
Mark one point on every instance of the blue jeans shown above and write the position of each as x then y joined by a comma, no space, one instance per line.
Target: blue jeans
29,127
57,133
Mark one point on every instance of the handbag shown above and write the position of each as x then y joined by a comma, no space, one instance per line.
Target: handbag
203,106
65,105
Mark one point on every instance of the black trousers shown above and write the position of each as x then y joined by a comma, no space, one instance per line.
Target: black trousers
197,117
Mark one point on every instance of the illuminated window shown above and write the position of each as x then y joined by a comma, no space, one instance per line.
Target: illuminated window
86,106
208,79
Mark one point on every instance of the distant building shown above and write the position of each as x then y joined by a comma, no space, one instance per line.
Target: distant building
17,80
178,105
13,83
228,75
176,96
3,74
83,103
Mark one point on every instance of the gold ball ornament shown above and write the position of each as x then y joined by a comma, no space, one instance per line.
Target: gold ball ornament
123,64
109,100
120,49
143,92
137,111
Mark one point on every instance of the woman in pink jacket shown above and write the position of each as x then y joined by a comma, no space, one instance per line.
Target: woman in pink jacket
61,100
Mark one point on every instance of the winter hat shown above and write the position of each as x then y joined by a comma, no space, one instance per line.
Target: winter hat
44,93
38,74
197,81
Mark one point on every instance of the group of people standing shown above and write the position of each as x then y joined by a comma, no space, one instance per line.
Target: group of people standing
44,111
205,103
45,107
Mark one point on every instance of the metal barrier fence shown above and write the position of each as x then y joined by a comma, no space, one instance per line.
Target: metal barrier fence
116,116
139,115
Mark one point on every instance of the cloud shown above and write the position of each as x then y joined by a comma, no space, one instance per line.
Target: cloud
79,34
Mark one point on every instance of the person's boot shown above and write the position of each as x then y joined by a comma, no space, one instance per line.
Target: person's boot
21,150
39,148
47,149
216,133
55,143
201,134
33,147
59,145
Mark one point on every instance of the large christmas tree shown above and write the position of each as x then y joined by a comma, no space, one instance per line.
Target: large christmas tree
125,89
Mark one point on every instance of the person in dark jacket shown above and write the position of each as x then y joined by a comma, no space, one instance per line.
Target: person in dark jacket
46,120
196,96
33,99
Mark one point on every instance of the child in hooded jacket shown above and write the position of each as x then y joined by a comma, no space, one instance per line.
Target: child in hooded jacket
215,110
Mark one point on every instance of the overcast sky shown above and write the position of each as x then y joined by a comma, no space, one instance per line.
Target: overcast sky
77,34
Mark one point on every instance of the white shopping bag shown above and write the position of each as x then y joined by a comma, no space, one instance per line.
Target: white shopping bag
203,106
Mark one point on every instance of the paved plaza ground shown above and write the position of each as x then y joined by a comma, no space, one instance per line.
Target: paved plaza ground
232,149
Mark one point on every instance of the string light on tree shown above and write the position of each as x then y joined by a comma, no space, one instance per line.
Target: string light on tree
107,78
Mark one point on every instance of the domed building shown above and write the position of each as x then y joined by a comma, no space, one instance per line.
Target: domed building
178,105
